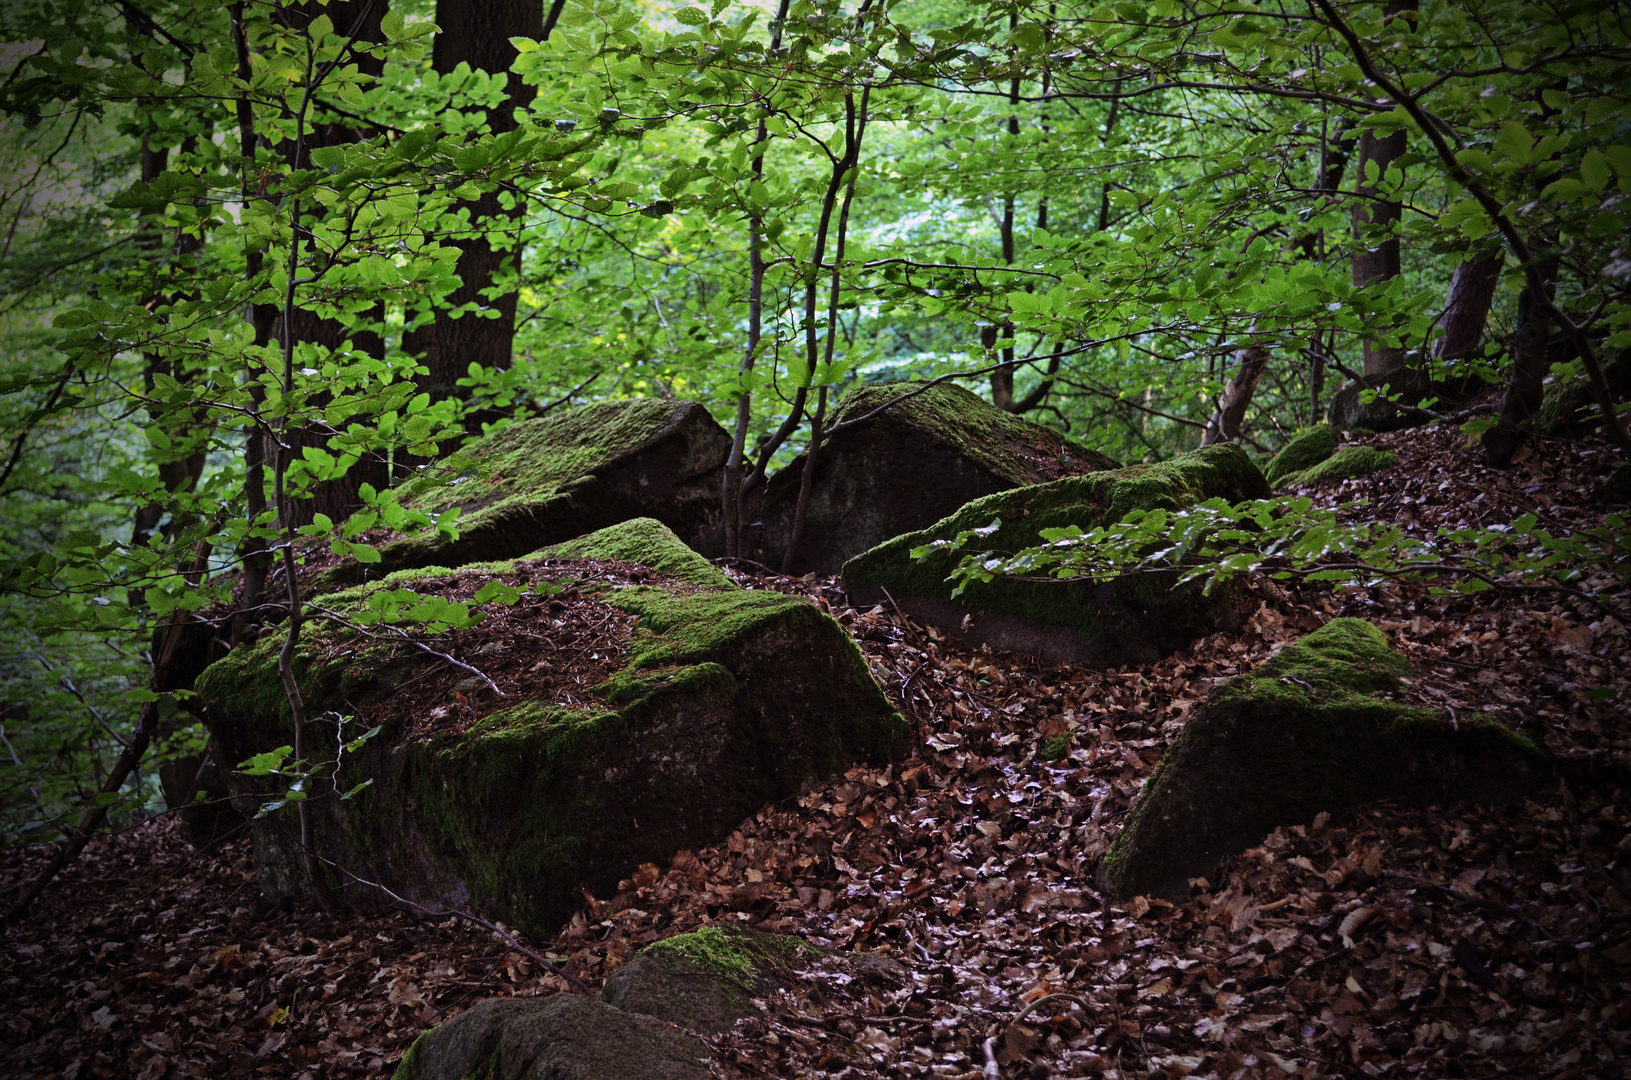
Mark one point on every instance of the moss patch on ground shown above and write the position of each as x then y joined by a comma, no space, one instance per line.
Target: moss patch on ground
1348,462
1113,615
1315,728
728,699
741,956
1305,451
645,541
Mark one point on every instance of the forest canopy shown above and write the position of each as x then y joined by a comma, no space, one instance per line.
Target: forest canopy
263,263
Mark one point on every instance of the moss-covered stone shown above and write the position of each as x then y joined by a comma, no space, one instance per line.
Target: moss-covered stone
1348,462
564,1037
729,699
1313,729
908,467
1134,620
547,480
703,980
648,542
1308,449
1570,409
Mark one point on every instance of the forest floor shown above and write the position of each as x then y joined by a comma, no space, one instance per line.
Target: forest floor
1453,941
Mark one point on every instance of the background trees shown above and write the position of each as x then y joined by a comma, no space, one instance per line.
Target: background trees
264,261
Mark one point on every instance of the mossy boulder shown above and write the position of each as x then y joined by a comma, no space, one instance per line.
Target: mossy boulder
564,1037
1306,450
908,467
1134,620
711,703
1315,728
1570,409
544,481
704,980
1406,387
648,542
1346,463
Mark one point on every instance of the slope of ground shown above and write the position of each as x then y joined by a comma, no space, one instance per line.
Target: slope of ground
1453,942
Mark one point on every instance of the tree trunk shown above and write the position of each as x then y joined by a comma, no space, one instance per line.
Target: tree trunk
1466,309
1381,262
1225,423
478,34
336,498
1527,374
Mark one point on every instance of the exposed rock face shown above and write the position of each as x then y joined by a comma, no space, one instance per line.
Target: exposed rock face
1131,621
908,467
544,481
641,1028
711,703
1310,730
1569,407
1348,462
1305,451
703,980
564,1037
1407,386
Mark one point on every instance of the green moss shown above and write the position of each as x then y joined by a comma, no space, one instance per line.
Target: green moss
1312,729
521,810
739,956
1000,441
1056,748
531,459
1084,501
1308,449
645,541
1348,462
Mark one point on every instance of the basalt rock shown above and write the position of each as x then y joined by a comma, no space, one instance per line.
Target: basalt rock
1306,450
1313,729
1133,620
709,703
564,1037
907,467
544,481
1348,462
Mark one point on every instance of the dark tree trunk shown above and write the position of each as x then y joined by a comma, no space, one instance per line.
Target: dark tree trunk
337,498
478,34
1381,262
1527,374
1466,309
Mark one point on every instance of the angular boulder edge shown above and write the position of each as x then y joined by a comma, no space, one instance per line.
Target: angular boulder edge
554,1037
907,467
648,542
727,699
1312,729
1130,621
644,1024
547,480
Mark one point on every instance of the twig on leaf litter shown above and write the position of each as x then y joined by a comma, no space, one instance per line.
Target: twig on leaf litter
351,624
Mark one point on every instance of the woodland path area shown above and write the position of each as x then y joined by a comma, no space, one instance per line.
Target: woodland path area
1449,942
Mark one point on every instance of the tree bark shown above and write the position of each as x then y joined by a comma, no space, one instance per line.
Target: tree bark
335,498
478,33
1225,423
1466,309
1526,375
1379,263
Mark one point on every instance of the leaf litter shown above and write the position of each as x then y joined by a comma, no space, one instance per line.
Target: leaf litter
1392,941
